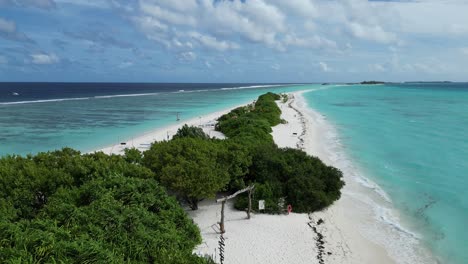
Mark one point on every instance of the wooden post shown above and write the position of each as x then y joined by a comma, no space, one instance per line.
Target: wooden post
250,204
224,199
221,224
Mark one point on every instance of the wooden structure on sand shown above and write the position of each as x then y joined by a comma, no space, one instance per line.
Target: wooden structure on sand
224,199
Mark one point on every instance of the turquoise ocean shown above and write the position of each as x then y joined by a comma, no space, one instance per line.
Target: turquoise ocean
412,140
41,117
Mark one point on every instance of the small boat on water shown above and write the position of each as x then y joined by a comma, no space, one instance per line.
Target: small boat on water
14,93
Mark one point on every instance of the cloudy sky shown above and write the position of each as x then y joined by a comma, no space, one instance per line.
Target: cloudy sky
233,40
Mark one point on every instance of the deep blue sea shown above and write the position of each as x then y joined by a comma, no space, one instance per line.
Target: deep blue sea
87,116
412,140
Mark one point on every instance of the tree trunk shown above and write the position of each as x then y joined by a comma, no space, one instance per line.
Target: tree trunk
193,203
221,224
250,204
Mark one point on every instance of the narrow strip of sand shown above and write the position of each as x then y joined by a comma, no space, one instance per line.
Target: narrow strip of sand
295,238
330,236
143,142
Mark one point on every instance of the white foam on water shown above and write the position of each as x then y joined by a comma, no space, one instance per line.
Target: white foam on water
387,230
124,95
45,101
253,87
138,94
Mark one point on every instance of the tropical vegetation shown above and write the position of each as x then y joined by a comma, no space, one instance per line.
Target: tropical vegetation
64,206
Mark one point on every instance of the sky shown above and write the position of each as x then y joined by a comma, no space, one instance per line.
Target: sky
233,41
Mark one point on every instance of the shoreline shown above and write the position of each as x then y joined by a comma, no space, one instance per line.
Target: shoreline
329,236
348,231
339,228
142,142
378,221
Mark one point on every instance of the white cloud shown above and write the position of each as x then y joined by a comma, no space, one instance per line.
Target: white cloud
182,6
43,4
255,21
43,58
324,67
7,26
305,8
373,33
160,13
276,23
464,50
218,24
338,32
9,31
150,24
376,67
310,26
187,56
212,42
125,64
310,42
153,29
87,3
433,17
46,4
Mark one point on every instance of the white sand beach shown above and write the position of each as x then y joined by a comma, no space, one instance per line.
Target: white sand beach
343,235
291,238
143,142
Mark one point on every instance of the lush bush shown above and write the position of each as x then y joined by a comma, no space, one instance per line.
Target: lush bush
303,181
281,175
194,168
237,158
267,108
252,124
70,208
191,132
133,155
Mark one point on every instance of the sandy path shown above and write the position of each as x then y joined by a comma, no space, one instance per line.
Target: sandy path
294,238
343,233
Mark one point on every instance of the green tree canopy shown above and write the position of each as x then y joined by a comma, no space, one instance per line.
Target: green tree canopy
191,132
133,155
287,175
303,181
192,167
252,124
66,207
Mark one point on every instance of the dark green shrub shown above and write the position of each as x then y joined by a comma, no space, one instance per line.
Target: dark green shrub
288,175
191,132
66,207
194,168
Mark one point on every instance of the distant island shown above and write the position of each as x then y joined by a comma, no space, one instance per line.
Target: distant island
372,82
429,82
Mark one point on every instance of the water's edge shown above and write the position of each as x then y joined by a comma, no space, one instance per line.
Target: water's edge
388,230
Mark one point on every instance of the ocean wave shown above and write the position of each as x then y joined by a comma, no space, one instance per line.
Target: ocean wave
45,101
251,87
229,88
134,95
123,95
76,98
194,91
401,242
